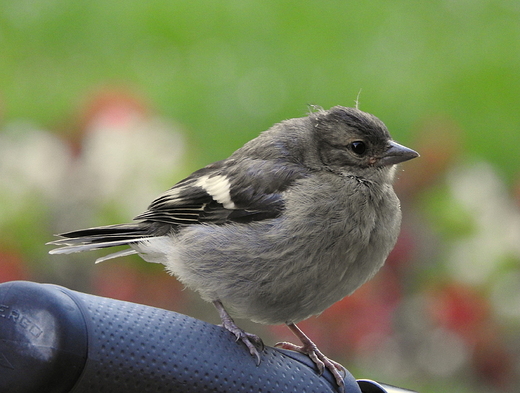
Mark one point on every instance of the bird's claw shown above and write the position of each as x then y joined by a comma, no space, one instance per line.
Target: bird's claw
251,341
321,361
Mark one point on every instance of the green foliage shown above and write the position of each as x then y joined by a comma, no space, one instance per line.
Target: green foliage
448,216
229,69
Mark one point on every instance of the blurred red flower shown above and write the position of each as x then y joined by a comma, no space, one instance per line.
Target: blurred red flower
12,266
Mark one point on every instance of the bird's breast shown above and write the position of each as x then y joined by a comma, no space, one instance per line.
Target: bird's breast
329,240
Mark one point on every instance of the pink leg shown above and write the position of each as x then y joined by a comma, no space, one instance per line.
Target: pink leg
250,340
310,349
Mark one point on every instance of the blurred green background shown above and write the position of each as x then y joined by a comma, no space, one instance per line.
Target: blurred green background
200,78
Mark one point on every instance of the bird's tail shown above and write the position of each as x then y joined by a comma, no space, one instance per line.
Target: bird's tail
101,237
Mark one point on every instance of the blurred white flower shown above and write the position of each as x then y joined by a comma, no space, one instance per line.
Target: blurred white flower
443,353
33,163
496,220
125,159
128,163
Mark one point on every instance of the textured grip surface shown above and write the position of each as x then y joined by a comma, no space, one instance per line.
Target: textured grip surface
116,346
43,339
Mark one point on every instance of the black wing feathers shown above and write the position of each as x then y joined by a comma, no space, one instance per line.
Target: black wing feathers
114,233
254,186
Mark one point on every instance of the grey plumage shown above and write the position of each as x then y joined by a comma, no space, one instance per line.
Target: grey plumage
290,223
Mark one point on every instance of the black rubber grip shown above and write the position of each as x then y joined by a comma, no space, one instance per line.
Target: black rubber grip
56,340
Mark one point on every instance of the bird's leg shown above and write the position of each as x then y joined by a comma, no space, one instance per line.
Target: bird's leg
310,349
247,338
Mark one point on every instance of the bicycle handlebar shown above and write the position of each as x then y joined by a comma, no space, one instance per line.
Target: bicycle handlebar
56,340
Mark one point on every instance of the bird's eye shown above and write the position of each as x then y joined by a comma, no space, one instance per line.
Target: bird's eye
358,147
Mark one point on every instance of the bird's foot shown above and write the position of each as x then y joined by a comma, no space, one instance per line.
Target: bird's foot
320,360
251,341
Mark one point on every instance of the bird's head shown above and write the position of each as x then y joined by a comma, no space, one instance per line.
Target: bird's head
352,141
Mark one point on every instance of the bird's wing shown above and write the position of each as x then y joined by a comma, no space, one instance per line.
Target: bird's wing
227,191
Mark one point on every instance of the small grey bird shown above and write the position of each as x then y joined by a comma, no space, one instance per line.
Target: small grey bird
292,222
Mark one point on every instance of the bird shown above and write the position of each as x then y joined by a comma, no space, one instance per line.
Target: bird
290,223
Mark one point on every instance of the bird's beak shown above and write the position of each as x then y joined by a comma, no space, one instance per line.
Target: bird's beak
395,154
